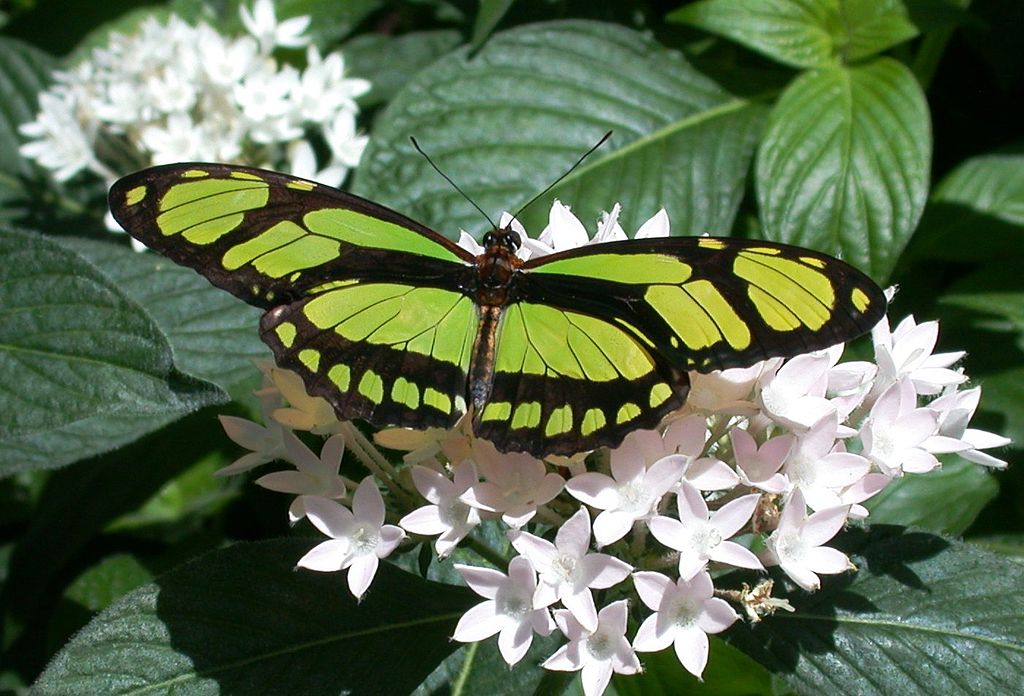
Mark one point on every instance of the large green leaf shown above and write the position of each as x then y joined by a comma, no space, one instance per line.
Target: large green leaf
844,164
84,369
922,615
804,33
212,334
977,212
509,120
945,501
241,620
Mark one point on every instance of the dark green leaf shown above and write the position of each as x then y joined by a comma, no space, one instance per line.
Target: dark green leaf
213,335
923,615
84,369
241,620
844,163
389,61
977,212
729,673
480,669
24,72
487,18
507,122
804,34
945,501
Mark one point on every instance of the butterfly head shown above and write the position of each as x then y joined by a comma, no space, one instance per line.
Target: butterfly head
502,238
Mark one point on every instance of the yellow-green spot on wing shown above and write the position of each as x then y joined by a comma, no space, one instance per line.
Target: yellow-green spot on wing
784,288
406,393
277,236
707,243
284,249
341,375
496,411
286,333
660,393
310,358
135,195
526,415
593,420
249,176
206,209
622,268
371,385
300,185
559,421
439,400
194,173
860,299
627,412
366,231
699,315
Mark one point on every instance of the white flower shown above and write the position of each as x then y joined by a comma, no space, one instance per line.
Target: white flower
900,437
686,611
955,411
631,493
448,517
907,352
514,484
313,475
177,140
758,466
567,571
508,611
61,144
726,391
304,412
688,436
700,536
266,442
821,468
359,539
656,226
262,23
595,654
798,544
608,227
794,397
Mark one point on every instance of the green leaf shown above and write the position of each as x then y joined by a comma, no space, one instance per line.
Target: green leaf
729,673
977,212
804,33
1003,394
944,501
24,72
212,334
389,61
84,369
241,620
479,668
488,17
843,166
509,120
923,615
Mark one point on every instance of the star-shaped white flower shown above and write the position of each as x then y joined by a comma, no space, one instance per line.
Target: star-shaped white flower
758,467
312,476
568,571
700,536
448,517
262,23
955,410
685,612
795,396
727,391
631,493
359,538
906,352
821,467
508,611
798,544
595,654
515,484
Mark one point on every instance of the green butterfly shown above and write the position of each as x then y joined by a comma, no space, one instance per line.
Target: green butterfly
396,325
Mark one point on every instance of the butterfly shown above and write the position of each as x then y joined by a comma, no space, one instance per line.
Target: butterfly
395,324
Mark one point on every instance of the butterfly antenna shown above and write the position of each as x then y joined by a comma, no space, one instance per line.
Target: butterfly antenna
449,180
567,173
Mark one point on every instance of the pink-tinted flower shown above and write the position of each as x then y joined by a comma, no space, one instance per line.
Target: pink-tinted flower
798,543
758,467
821,468
955,410
515,484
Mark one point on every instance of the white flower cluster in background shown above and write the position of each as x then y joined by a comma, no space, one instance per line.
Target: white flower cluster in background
173,92
763,466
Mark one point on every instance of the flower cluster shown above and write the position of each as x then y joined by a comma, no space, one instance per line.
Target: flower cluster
763,466
173,92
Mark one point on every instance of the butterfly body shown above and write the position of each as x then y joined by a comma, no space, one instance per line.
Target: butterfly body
394,324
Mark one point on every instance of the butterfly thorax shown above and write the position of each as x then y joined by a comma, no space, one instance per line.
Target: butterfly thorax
497,267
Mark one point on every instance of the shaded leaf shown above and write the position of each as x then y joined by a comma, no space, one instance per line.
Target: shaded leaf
944,501
388,62
24,72
507,122
843,166
729,673
241,620
922,615
977,212
804,34
84,369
